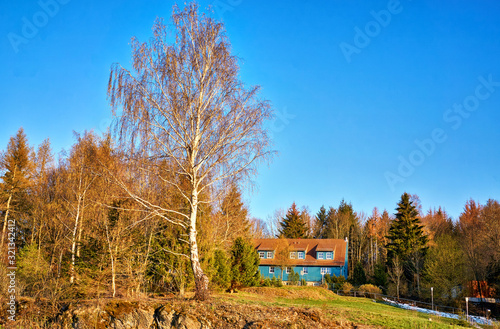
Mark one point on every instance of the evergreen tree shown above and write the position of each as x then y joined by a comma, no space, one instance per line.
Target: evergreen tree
358,275
244,264
407,240
219,263
406,235
293,225
320,223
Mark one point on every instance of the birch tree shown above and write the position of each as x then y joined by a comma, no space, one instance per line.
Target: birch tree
183,103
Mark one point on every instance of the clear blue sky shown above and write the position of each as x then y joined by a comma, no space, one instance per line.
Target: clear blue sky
354,86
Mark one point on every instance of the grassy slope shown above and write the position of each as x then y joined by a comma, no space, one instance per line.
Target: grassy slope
355,310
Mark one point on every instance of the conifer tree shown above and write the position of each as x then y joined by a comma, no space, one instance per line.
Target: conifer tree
16,166
320,223
407,240
293,225
244,264
406,235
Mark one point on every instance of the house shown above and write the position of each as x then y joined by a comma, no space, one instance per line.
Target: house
311,258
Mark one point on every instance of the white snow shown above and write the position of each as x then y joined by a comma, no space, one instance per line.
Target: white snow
472,318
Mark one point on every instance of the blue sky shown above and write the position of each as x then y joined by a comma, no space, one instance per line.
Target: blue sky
372,99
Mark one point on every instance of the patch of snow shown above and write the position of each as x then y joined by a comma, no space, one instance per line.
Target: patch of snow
472,318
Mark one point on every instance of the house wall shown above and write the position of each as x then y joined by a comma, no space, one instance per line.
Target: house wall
314,272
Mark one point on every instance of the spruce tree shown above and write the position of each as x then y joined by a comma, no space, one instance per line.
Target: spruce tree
293,225
406,235
244,264
407,240
320,223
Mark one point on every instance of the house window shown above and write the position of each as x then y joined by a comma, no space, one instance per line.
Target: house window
269,254
262,254
305,270
301,255
293,255
288,270
320,255
326,270
329,255
271,269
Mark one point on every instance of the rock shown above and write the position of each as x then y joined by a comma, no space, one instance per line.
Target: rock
136,319
166,318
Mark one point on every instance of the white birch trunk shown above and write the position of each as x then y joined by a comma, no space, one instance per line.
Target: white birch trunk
200,279
73,242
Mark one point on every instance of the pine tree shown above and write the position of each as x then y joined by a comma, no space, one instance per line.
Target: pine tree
293,225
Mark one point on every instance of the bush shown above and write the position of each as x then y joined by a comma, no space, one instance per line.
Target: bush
275,282
266,282
303,282
346,287
333,281
370,288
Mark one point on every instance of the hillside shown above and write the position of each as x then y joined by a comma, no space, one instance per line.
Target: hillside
287,307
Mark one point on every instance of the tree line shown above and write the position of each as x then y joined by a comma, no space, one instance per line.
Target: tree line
409,251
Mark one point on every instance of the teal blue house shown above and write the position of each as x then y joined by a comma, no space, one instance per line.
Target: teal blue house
311,258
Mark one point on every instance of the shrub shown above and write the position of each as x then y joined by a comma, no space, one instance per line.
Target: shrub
370,288
275,282
346,287
303,282
266,282
334,282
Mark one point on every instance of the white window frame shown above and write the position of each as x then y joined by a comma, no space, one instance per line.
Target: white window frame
293,255
262,254
305,270
320,255
329,255
301,253
269,255
271,269
326,270
288,270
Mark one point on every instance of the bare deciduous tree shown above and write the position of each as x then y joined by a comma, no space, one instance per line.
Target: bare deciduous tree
184,103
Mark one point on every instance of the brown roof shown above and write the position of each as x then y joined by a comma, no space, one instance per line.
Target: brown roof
310,246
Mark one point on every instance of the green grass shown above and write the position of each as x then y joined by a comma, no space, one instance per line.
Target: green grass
357,310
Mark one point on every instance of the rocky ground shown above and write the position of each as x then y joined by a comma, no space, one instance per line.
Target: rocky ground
172,312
